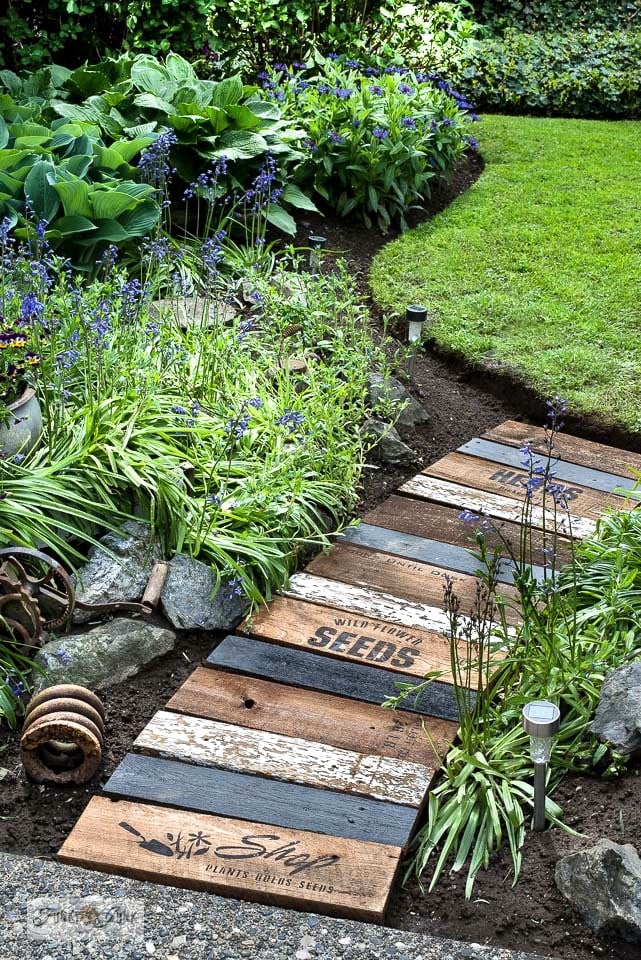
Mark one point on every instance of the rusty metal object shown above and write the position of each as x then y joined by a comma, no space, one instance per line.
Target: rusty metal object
63,735
37,594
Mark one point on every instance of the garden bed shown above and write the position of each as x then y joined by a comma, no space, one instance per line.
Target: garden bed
35,820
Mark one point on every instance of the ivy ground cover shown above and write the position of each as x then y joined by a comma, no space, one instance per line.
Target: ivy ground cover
536,271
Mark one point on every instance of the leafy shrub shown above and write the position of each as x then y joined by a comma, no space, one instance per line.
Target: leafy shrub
558,15
586,73
375,139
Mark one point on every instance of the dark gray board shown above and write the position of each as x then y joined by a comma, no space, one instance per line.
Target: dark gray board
563,471
242,796
300,668
425,551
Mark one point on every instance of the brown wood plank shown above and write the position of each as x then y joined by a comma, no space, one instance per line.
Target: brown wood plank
438,522
210,743
408,579
508,481
600,456
264,705
252,861
335,633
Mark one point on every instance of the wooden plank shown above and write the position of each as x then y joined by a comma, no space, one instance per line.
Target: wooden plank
354,680
324,630
213,744
509,482
352,725
382,606
573,449
234,858
425,550
425,519
496,506
567,473
226,793
406,579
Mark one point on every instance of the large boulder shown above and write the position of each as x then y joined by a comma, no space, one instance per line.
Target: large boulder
104,656
618,716
121,574
191,601
389,399
604,884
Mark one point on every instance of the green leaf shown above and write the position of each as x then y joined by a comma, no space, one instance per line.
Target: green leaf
142,220
264,108
227,92
281,219
149,75
296,198
73,224
4,134
42,194
108,230
75,197
129,148
137,190
244,118
152,102
109,203
78,165
179,68
141,129
241,145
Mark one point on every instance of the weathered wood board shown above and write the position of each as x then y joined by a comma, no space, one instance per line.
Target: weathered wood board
494,505
242,796
569,448
249,860
373,603
443,523
325,630
509,482
566,473
354,680
349,724
213,744
406,579
425,551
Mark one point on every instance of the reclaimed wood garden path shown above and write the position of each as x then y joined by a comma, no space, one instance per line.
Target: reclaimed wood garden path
273,773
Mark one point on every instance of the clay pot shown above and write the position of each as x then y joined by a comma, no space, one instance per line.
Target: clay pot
21,432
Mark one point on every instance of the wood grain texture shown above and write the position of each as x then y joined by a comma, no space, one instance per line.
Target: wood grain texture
443,523
372,603
567,473
407,579
324,630
422,549
509,482
353,680
244,797
350,724
573,449
214,744
494,505
249,860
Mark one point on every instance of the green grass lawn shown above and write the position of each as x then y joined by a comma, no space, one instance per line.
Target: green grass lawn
537,268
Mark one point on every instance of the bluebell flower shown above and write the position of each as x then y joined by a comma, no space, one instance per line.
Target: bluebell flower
63,656
343,93
405,89
473,143
235,588
291,419
468,517
334,137
380,133
332,56
409,123
376,90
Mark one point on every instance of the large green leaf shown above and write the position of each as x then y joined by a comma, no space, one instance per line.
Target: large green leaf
87,81
240,145
4,134
281,219
78,165
149,76
266,109
129,148
227,92
141,129
295,196
67,226
141,221
150,101
179,68
217,118
39,190
75,197
108,230
12,82
76,111
137,190
109,203
243,117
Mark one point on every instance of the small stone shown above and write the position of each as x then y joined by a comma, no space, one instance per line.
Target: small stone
191,601
618,715
389,446
390,396
345,941
150,947
303,955
178,942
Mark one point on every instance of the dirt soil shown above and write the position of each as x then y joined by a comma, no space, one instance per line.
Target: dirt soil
533,916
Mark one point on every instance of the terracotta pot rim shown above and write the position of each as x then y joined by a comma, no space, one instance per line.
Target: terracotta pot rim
23,398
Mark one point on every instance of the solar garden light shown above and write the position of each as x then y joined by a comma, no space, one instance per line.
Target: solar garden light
541,719
415,316
316,246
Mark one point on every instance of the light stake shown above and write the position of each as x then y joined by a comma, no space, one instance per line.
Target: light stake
541,719
316,246
415,316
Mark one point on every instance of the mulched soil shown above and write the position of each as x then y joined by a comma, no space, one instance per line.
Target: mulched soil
533,916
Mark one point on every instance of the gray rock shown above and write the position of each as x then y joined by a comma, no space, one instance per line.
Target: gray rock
618,715
190,600
104,656
193,311
604,884
124,576
389,445
391,396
